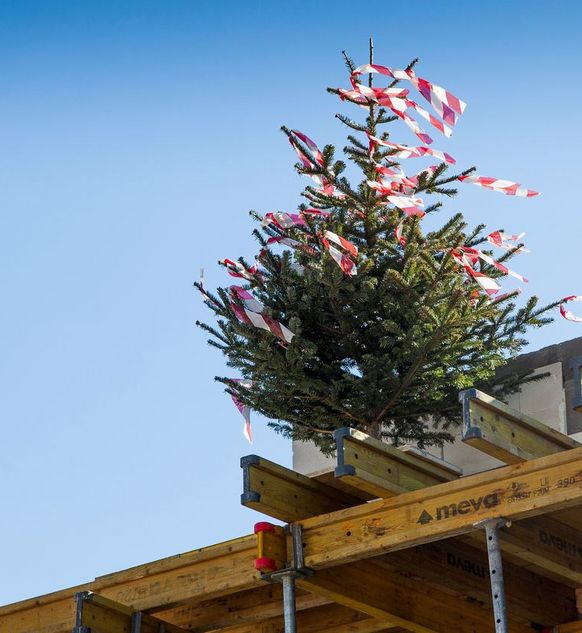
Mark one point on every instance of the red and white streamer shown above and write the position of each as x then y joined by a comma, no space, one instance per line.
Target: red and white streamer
395,181
236,269
243,409
429,171
283,220
341,259
325,186
317,212
352,249
409,205
489,285
507,187
566,313
468,258
251,313
500,266
445,104
506,241
288,241
394,174
202,290
398,232
405,151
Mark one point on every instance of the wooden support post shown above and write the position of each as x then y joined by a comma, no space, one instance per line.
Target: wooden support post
513,492
381,470
506,434
96,614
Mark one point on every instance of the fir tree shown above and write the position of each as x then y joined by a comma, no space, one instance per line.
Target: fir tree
385,350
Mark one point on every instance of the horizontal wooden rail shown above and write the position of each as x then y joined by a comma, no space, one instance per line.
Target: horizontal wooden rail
506,434
513,492
206,573
381,470
96,614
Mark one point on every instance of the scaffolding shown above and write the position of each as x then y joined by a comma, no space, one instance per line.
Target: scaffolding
388,540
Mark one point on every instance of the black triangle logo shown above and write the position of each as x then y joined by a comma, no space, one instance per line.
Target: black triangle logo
425,517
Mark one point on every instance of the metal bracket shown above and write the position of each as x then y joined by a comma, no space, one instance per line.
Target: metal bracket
296,568
80,598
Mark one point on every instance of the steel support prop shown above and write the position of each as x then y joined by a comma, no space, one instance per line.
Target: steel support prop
287,578
496,571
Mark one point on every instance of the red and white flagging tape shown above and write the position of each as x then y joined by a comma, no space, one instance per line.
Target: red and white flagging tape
243,409
250,311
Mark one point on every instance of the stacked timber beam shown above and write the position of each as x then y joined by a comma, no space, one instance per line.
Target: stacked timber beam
389,535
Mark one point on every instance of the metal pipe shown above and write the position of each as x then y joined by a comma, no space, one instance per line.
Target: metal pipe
496,574
288,582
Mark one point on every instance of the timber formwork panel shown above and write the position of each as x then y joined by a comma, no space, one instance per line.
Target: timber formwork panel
411,560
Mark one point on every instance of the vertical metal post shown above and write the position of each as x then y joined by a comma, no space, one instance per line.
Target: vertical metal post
496,573
136,620
288,575
288,582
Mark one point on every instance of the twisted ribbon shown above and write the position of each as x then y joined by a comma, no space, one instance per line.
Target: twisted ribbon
243,409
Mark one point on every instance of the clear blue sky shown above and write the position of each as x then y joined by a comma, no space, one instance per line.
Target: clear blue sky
134,138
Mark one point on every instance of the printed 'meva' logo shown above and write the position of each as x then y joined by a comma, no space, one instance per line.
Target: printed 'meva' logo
463,507
469,505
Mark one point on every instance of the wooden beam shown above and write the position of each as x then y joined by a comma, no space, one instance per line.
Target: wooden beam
373,588
548,544
570,627
237,609
514,492
286,495
96,614
369,465
307,494
506,434
205,573
529,604
463,569
333,618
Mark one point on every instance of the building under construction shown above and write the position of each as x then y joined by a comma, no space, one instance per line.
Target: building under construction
383,539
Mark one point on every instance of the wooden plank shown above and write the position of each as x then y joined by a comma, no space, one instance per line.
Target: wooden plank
97,614
305,505
529,604
514,492
506,434
286,495
570,627
373,588
549,544
381,470
240,608
463,569
333,618
206,573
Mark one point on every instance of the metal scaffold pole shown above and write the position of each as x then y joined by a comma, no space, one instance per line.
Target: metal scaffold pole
496,572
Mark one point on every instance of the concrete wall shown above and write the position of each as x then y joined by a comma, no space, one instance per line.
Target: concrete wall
549,400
